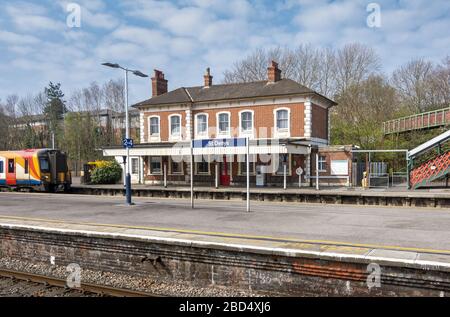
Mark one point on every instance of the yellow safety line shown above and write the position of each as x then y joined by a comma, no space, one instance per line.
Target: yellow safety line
237,236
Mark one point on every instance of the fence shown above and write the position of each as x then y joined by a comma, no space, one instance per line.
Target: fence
379,176
419,121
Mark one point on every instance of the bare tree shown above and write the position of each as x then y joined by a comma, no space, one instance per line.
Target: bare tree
440,84
254,66
413,84
323,70
354,63
308,62
114,100
327,74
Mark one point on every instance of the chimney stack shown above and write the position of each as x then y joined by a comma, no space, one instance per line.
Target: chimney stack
273,72
159,84
208,78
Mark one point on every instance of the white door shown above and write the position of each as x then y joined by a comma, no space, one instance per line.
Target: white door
135,170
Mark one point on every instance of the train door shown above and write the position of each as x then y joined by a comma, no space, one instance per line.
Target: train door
2,171
11,172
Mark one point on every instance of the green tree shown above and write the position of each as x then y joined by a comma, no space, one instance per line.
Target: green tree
361,111
54,109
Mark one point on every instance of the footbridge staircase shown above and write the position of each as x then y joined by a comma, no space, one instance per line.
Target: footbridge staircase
429,162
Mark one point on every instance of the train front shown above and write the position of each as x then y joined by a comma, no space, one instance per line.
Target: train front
55,174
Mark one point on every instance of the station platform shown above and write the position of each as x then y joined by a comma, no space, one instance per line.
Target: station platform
395,196
292,250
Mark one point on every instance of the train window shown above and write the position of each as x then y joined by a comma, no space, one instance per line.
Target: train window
1,167
11,166
45,167
26,167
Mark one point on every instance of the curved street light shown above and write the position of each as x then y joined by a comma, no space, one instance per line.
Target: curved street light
127,127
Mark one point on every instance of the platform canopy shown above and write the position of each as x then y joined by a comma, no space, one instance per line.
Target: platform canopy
183,149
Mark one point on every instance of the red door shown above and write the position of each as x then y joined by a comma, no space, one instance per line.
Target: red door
11,172
224,173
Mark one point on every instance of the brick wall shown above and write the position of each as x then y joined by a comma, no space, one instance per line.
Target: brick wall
319,122
263,117
273,272
164,123
331,155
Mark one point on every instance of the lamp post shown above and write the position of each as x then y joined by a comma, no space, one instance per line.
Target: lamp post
127,128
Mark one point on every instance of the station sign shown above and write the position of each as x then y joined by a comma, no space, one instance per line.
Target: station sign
128,143
220,143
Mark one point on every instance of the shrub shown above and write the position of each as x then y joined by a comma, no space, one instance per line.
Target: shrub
109,172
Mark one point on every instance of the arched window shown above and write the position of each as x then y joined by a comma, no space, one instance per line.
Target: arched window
246,121
201,124
282,119
223,122
154,126
175,125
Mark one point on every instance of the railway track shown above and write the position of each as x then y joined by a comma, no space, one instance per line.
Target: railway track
40,285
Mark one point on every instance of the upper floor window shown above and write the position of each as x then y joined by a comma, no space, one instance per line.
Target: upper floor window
175,125
282,119
224,122
246,121
154,126
202,124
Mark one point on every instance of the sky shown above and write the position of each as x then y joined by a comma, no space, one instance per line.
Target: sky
42,41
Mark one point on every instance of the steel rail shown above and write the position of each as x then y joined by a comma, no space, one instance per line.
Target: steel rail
84,287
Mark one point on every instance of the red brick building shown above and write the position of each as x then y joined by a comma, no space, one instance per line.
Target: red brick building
286,123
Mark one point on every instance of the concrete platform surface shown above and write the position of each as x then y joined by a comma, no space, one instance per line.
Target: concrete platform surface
405,235
324,190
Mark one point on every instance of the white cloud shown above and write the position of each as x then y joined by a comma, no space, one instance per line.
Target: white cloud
31,17
183,37
17,39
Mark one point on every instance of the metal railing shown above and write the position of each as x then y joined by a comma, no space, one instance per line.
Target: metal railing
379,180
424,120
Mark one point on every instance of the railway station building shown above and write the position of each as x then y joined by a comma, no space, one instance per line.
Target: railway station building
287,125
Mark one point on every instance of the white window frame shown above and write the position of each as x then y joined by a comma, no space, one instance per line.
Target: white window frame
322,161
150,172
251,132
202,173
175,137
252,161
134,159
204,134
155,137
332,164
222,134
170,168
281,132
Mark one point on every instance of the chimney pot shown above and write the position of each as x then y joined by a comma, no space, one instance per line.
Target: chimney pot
159,83
273,72
207,78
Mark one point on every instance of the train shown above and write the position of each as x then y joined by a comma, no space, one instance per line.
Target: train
35,169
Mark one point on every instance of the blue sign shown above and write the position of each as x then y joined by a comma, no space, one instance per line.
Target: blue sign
219,143
128,143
